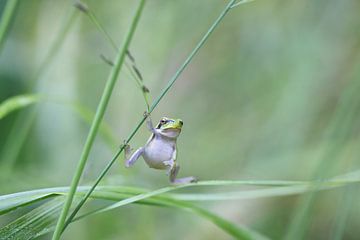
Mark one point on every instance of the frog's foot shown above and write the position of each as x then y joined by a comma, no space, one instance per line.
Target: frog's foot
185,180
174,172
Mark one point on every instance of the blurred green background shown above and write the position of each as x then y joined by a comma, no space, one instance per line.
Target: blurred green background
273,94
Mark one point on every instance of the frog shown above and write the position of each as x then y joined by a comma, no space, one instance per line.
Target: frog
160,151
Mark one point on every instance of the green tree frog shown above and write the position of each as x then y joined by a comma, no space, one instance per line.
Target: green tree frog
160,150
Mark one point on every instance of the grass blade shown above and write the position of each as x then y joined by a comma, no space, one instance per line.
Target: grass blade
97,120
17,102
42,219
274,188
127,195
238,232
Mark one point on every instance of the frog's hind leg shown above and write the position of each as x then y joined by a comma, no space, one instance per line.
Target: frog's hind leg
173,173
135,156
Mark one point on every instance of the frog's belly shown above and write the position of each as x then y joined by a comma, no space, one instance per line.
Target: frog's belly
155,154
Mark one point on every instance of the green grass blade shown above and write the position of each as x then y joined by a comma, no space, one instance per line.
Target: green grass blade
17,102
42,219
145,195
236,231
97,120
246,194
274,188
15,200
128,195
293,188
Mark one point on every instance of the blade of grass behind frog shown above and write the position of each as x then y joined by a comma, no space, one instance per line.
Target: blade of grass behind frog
17,102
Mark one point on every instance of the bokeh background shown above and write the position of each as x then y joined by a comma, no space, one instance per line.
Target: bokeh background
273,94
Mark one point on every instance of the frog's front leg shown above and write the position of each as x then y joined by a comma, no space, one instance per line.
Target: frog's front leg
149,124
131,159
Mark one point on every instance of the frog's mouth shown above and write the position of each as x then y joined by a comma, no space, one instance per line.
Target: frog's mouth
171,132
172,129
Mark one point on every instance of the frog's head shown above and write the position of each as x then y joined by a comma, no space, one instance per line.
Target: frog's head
169,127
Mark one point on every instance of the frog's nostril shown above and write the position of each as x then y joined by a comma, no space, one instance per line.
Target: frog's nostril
181,122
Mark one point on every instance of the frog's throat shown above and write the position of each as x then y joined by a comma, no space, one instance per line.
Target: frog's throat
172,129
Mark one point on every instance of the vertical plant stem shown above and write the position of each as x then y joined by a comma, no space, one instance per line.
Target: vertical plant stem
153,106
6,18
97,120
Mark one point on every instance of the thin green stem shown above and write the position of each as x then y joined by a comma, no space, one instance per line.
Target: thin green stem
97,120
153,106
6,18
